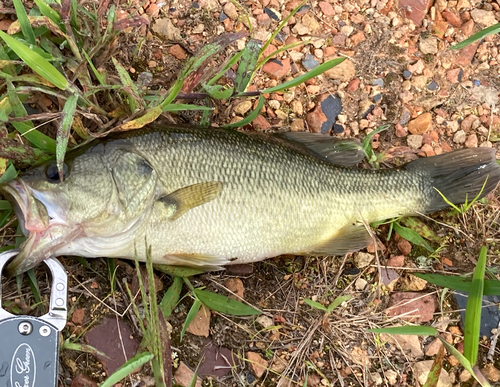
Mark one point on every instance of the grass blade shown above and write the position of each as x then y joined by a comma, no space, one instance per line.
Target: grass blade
45,10
190,316
494,29
36,62
63,131
171,297
491,287
252,116
129,86
24,153
9,174
224,304
126,369
412,236
247,65
339,300
22,16
314,304
473,310
420,228
407,330
175,107
305,77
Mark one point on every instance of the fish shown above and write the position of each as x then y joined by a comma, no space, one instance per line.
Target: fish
211,197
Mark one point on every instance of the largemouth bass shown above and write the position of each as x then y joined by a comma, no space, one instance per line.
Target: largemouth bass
211,197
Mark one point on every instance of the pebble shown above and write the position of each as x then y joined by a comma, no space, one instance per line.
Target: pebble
360,284
177,51
419,81
454,75
486,18
326,8
415,11
297,107
428,46
471,141
243,107
257,363
452,18
166,28
337,128
357,38
300,29
406,74
421,124
377,97
310,22
346,30
414,141
261,123
230,11
491,373
468,122
362,259
276,68
459,137
433,86
297,125
344,72
378,82
391,376
273,14
309,62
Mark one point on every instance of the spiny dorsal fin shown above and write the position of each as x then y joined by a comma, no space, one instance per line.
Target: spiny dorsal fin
186,198
345,152
349,238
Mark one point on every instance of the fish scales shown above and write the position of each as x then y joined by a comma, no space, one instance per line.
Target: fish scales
210,197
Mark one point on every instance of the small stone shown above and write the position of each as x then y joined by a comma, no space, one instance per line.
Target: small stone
414,284
403,245
471,141
396,261
459,137
184,375
391,376
377,97
261,123
421,124
362,260
405,116
357,38
491,373
454,75
166,28
467,122
428,46
452,18
486,18
78,316
421,372
310,22
433,86
82,381
339,40
264,20
353,85
417,67
337,128
376,379
297,107
464,376
200,325
346,30
297,125
230,10
344,72
257,363
243,107
264,321
378,82
309,62
414,141
5,24
409,343
416,307
300,29
236,286
199,29
415,10
419,81
360,284
152,10
406,74
433,347
276,68
326,8
272,13
177,51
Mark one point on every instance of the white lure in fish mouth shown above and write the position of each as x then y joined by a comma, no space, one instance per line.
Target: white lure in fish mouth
42,217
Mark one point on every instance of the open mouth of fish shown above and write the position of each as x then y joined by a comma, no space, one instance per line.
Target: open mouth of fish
42,218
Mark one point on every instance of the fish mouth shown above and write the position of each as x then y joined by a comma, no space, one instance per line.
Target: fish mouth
42,218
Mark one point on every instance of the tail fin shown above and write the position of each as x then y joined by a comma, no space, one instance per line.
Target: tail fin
459,175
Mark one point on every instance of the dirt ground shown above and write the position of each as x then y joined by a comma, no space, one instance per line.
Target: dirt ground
399,70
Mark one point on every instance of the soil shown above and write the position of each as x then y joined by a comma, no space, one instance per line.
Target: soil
398,50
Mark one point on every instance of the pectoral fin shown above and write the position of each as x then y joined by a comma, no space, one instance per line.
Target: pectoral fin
348,239
186,198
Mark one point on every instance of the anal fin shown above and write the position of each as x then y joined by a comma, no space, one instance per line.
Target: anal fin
206,262
349,238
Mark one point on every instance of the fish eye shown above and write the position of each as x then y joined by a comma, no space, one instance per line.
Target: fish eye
52,173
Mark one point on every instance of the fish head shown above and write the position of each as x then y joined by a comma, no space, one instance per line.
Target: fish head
99,196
